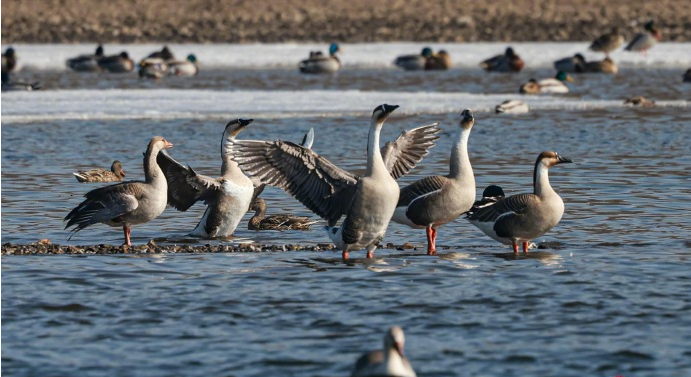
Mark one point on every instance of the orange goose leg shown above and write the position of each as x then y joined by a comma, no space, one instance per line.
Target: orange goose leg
431,238
525,246
126,230
515,248
344,255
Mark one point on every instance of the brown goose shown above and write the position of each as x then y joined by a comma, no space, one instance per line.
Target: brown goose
608,42
434,201
128,203
389,362
227,197
521,218
368,201
275,222
100,175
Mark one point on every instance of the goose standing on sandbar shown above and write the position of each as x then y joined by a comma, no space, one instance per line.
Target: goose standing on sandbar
227,197
368,201
128,203
521,218
389,362
434,201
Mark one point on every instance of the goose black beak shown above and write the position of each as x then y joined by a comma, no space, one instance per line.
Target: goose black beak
245,122
563,159
389,108
467,115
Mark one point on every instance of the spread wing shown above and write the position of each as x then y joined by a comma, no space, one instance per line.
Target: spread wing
185,186
402,154
317,183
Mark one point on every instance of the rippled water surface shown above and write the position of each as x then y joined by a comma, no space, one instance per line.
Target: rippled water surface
613,299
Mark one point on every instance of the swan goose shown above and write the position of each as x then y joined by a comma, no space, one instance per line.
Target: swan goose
388,362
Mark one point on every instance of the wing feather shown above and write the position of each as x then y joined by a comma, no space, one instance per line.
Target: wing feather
185,186
402,154
420,187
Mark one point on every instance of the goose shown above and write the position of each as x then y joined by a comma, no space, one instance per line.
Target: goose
575,64
187,67
100,175
227,197
607,65
9,60
413,62
275,222
437,200
644,41
120,63
387,362
9,85
367,201
512,107
438,62
86,63
508,62
608,42
128,203
318,63
153,68
551,85
521,218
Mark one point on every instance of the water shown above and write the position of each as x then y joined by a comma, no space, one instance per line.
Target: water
614,300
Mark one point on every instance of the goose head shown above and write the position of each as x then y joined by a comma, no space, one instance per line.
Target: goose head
467,119
117,168
334,48
259,205
563,76
493,192
382,112
160,143
234,127
394,340
426,52
549,159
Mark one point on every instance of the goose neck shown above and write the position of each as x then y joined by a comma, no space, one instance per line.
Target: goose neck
375,163
459,164
541,180
151,169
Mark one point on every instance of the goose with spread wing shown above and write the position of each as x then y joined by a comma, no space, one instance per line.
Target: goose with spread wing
367,201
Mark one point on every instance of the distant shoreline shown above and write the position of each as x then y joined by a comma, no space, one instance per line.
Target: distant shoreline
352,21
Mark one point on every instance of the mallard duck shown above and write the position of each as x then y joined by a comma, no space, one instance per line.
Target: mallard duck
153,68
512,107
439,61
387,362
413,62
608,42
687,75
120,63
551,85
187,67
9,85
644,41
128,203
275,222
86,63
607,65
318,63
574,64
9,60
508,62
164,54
639,101
100,175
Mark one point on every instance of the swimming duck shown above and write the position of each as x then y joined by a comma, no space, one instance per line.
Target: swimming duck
164,54
551,85
9,60
275,222
387,362
512,107
437,200
128,203
574,64
8,85
607,65
508,62
227,197
490,195
413,62
86,63
318,63
368,201
644,41
100,175
608,42
639,101
187,67
120,63
521,218
152,68
439,61
687,75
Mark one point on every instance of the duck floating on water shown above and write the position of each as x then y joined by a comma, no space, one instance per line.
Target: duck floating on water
387,362
9,85
607,65
115,174
608,42
120,63
438,62
550,85
642,42
574,64
153,68
639,101
414,62
86,63
512,106
9,60
275,222
318,63
507,62
187,67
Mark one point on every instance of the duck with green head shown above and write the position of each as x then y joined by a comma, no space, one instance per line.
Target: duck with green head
187,67
318,63
413,62
644,41
549,85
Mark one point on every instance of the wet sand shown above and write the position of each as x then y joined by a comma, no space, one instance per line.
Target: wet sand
269,21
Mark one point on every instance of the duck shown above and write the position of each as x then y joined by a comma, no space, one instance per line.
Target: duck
550,85
490,195
368,201
521,218
86,63
413,62
512,107
318,63
9,60
437,200
574,64
607,65
128,203
639,101
608,42
153,68
508,62
387,362
164,54
687,75
227,197
642,42
187,67
9,85
120,63
115,174
275,222
438,62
